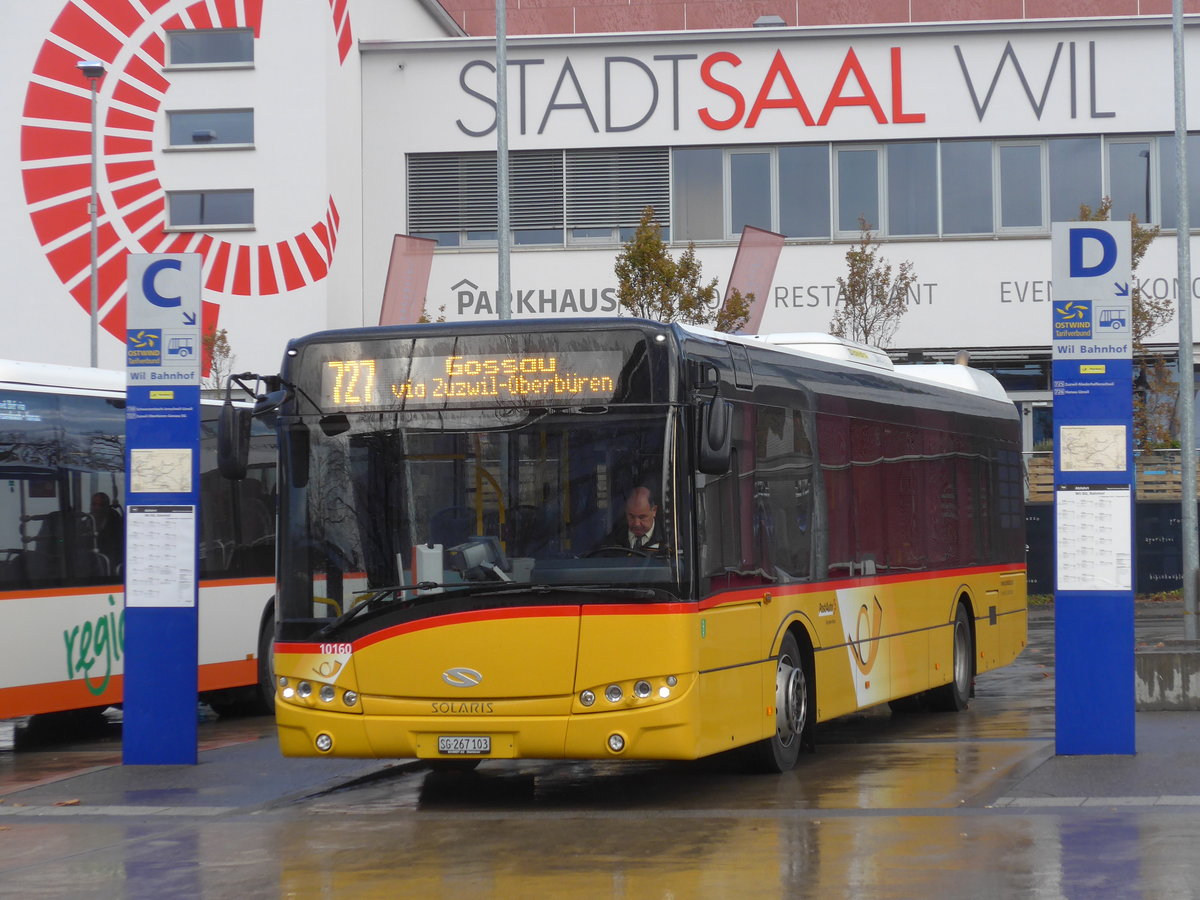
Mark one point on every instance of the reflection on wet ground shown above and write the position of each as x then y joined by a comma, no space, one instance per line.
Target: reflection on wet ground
889,806
39,749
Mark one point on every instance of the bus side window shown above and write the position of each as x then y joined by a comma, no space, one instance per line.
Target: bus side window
833,444
733,536
783,491
901,494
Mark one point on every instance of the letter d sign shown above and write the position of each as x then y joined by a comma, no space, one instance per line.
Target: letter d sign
1091,260
1079,238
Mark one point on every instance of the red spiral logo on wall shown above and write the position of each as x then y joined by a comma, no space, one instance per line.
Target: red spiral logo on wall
129,38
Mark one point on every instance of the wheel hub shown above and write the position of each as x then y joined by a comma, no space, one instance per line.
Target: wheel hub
791,702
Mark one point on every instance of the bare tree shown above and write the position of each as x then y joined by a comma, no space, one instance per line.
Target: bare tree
218,345
871,301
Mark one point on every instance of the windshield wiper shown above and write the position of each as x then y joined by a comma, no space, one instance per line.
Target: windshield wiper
457,589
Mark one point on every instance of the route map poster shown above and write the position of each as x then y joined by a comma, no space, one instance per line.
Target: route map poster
1093,448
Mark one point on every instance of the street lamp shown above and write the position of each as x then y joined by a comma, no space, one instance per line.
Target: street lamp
93,71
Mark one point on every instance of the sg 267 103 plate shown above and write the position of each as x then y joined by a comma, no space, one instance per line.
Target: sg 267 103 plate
470,745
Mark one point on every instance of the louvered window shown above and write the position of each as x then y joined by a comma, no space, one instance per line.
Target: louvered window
451,192
452,197
611,188
457,192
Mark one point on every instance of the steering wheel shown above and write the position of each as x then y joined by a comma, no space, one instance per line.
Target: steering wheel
617,550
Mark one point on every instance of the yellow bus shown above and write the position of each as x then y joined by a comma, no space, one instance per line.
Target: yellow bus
619,539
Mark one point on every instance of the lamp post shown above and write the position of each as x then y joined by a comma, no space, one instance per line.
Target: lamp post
93,71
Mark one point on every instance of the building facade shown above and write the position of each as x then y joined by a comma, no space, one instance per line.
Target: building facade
289,143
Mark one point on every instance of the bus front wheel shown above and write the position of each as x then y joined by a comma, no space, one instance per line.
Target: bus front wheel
794,711
266,664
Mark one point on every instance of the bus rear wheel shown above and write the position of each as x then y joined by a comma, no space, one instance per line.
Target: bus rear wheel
793,712
955,695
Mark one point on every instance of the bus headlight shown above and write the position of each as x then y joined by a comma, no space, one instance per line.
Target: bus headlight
303,690
324,742
616,742
327,693
350,698
631,694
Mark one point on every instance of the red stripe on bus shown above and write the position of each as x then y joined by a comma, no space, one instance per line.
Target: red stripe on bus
30,699
57,696
650,609
792,590
120,588
492,615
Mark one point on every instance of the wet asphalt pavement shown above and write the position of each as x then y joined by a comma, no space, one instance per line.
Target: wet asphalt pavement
973,804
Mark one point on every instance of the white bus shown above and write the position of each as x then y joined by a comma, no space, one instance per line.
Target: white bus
62,487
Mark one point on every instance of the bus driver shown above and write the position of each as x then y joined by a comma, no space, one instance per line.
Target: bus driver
641,529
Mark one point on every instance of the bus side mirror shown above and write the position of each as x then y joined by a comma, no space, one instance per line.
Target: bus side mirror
266,406
714,436
233,441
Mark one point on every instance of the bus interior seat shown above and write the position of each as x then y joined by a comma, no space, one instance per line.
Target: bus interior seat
65,548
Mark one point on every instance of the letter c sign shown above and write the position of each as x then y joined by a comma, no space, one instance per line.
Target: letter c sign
1108,250
150,290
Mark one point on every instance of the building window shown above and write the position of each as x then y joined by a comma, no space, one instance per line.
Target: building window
210,47
1075,176
749,190
857,189
1168,161
912,189
967,187
1020,189
555,196
804,191
1130,171
203,209
608,190
210,127
697,195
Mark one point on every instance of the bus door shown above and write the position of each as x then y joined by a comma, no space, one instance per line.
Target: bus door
735,577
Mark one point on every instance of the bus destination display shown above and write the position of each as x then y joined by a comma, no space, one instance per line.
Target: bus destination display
444,382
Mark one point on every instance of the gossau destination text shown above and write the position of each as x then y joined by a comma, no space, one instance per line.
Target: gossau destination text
374,383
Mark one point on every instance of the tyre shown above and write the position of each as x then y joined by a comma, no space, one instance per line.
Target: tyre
266,663
955,695
794,709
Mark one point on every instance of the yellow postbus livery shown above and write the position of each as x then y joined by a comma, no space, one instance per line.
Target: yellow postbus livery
620,539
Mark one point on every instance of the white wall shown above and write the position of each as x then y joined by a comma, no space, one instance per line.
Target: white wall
307,149
972,293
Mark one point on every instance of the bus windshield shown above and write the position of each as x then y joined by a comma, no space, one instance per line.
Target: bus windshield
475,498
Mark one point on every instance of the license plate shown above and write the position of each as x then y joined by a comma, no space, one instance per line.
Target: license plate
464,744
